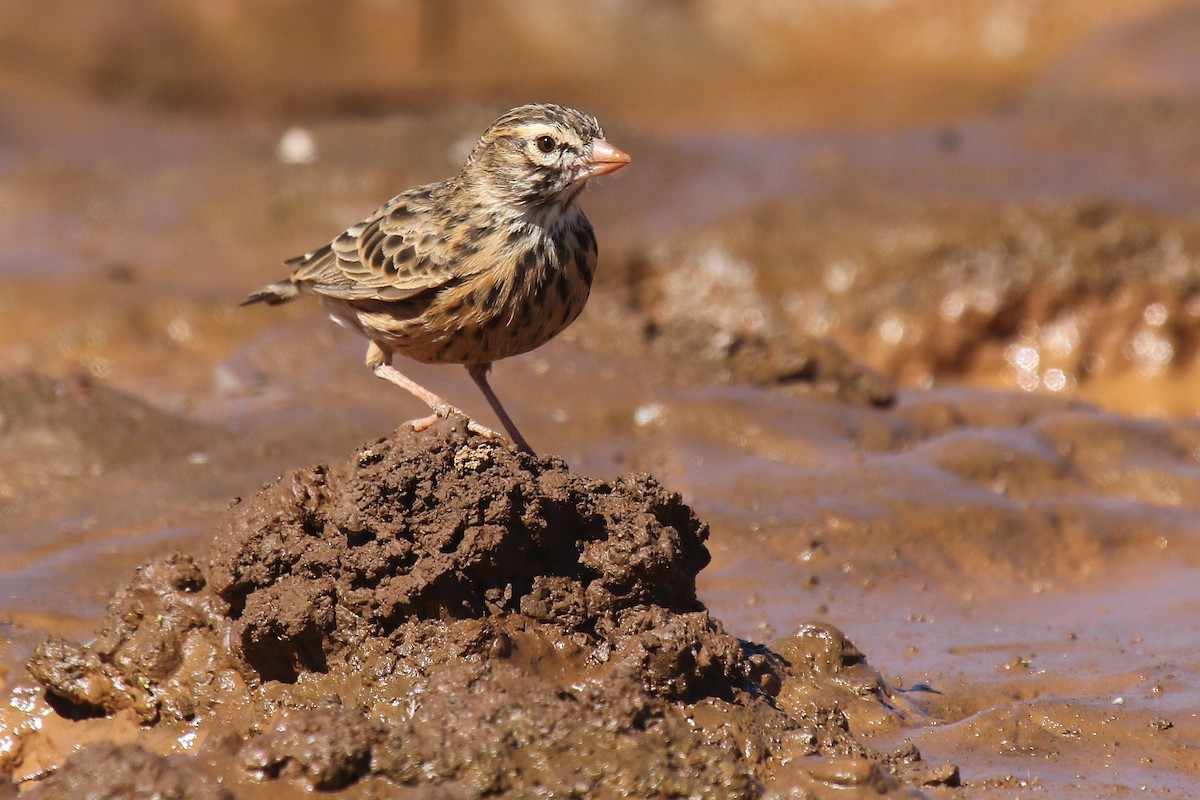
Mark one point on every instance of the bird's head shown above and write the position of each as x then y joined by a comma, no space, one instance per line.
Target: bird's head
541,155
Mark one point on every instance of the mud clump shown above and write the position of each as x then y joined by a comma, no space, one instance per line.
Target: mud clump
444,611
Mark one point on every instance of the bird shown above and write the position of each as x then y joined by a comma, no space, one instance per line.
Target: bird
488,264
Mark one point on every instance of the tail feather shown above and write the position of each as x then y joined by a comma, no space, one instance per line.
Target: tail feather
274,294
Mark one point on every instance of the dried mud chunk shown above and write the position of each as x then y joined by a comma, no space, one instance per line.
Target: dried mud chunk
106,771
554,598
932,775
822,648
326,748
828,682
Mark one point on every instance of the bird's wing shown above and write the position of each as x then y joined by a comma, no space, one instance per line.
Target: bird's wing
392,255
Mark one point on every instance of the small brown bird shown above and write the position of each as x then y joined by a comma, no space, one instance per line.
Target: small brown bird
491,263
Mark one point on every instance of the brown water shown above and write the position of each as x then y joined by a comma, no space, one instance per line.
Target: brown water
967,201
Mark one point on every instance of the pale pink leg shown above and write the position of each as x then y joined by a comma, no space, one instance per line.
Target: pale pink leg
441,408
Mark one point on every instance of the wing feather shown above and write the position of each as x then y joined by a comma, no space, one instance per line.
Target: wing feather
394,254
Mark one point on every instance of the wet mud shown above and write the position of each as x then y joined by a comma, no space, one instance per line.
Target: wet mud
888,385
443,610
1072,299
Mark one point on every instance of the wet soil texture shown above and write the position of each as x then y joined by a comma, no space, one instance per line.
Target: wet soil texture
445,611
898,303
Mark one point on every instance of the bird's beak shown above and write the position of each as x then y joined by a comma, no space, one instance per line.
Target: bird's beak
604,159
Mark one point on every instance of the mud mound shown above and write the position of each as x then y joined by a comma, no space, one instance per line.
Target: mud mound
481,531
444,611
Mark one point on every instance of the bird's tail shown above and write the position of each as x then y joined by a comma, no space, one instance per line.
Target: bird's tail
274,294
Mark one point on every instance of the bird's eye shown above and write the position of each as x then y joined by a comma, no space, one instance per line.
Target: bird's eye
546,143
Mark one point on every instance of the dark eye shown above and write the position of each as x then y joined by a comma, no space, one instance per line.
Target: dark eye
546,143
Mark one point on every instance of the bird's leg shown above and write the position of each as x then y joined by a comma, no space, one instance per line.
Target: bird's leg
379,362
479,373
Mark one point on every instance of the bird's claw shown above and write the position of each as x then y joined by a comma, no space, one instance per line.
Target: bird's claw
482,430
444,410
423,423
441,411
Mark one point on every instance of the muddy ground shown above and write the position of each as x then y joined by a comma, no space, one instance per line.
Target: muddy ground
878,458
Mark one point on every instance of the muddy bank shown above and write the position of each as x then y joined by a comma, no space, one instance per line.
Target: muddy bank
1097,300
442,610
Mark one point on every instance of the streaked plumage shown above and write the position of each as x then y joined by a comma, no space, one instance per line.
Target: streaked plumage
491,263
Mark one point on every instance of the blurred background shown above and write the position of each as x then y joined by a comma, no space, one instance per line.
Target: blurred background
680,65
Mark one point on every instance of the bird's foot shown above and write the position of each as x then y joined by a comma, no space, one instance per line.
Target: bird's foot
442,411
